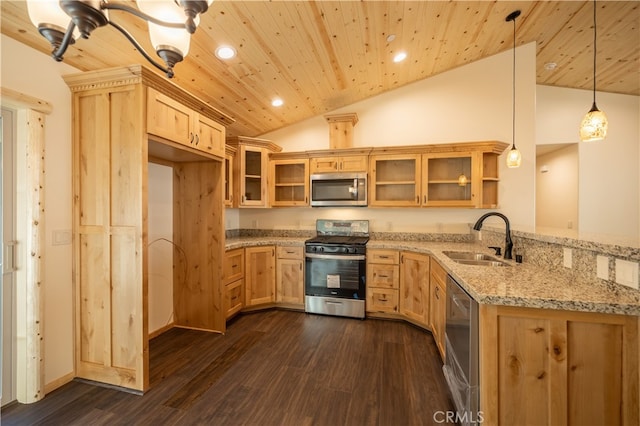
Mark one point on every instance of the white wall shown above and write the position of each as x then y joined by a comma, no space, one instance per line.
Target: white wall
609,177
470,103
160,229
35,74
557,189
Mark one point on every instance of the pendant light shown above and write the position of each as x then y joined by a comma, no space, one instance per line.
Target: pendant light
594,124
514,158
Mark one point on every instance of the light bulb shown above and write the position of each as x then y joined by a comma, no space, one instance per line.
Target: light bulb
514,158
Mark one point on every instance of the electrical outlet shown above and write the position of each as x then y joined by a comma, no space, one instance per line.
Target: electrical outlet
568,257
602,267
627,273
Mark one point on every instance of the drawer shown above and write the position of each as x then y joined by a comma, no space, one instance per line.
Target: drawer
382,300
438,272
233,266
288,252
390,257
233,297
386,276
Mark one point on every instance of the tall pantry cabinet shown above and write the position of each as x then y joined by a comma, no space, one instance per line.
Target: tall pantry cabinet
112,144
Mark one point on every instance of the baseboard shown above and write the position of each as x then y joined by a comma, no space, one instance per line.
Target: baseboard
61,381
161,330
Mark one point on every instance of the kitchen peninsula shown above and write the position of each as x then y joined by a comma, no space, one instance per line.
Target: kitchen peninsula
546,333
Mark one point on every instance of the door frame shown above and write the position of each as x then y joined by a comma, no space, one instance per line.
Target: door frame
30,231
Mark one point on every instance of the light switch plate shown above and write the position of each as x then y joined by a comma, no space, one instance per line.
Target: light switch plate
603,267
61,237
568,257
627,273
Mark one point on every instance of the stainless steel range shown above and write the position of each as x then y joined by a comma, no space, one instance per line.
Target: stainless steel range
335,268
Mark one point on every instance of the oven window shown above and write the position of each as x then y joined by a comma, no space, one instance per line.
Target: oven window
335,277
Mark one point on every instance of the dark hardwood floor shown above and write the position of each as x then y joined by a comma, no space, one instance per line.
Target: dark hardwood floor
271,368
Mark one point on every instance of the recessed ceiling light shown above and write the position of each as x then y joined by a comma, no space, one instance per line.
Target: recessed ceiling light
277,102
391,37
400,56
225,52
550,66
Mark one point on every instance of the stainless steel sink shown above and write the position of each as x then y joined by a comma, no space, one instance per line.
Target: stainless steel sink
476,259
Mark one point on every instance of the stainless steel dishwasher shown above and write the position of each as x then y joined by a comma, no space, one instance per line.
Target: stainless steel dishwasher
461,362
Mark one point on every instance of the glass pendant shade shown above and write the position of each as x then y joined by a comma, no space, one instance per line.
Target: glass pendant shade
49,13
462,180
594,125
514,158
167,11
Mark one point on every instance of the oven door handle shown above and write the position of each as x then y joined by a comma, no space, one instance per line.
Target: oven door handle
336,256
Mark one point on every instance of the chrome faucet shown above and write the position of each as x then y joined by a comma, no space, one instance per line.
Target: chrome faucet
508,243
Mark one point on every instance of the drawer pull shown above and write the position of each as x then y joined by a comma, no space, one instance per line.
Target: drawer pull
382,300
235,265
383,257
383,276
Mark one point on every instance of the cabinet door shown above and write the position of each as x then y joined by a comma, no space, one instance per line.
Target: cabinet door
289,182
209,135
260,275
438,304
558,367
354,163
395,180
168,118
414,286
442,182
253,177
324,164
290,281
109,172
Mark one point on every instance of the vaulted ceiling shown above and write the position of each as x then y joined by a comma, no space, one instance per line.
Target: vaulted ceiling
322,55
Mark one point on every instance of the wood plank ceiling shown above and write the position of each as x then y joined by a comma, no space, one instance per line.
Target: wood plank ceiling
322,55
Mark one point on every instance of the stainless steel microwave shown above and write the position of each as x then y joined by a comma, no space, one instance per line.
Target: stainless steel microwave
338,189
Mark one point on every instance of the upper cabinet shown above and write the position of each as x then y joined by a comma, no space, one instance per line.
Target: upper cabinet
289,182
347,163
229,157
395,180
250,170
171,120
446,175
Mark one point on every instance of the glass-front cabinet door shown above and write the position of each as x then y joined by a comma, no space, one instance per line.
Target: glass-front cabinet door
395,180
253,177
289,182
449,180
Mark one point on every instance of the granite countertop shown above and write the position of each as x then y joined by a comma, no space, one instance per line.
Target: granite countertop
521,284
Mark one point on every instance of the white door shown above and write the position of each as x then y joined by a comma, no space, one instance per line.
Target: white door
7,254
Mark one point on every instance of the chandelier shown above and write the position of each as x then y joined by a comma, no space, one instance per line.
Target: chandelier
171,23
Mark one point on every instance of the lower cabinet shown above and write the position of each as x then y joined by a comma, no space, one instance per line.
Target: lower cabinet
541,366
414,286
233,281
383,281
260,275
290,275
438,304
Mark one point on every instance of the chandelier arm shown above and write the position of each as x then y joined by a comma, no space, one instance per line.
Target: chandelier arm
167,70
142,15
66,41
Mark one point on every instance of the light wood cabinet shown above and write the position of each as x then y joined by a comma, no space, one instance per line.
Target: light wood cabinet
558,367
233,281
414,286
289,182
428,175
112,115
260,275
438,304
290,275
347,163
395,180
383,281
250,170
171,120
